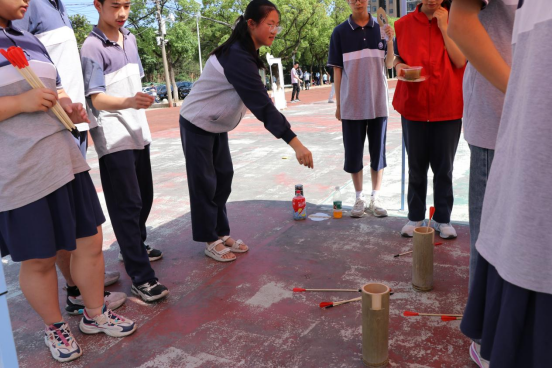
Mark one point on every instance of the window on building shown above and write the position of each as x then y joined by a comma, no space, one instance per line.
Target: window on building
390,11
374,9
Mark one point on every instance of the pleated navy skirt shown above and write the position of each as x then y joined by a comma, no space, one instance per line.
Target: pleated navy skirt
39,229
513,323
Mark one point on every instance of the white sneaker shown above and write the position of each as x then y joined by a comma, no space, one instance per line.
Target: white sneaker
107,322
446,231
408,230
376,208
475,355
358,208
62,344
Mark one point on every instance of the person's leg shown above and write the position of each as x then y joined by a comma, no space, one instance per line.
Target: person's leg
198,148
224,171
124,204
63,261
293,88
298,90
444,138
87,268
377,138
354,137
145,182
416,139
38,282
480,166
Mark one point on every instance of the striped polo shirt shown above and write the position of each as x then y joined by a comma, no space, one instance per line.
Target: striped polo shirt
116,71
360,52
48,21
37,154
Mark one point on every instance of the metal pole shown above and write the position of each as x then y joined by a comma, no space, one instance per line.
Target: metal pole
8,356
199,44
403,178
164,55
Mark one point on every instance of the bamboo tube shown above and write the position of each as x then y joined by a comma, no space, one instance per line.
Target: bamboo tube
375,325
422,259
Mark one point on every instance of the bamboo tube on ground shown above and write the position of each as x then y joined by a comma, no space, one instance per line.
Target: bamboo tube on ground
375,325
422,259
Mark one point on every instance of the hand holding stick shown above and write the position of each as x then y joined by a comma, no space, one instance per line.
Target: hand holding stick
17,58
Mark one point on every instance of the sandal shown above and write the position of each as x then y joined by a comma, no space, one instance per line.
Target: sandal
210,251
235,248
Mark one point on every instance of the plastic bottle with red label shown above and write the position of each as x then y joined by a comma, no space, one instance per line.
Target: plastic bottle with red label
299,206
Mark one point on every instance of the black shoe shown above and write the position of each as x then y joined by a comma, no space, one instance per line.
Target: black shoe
154,254
150,291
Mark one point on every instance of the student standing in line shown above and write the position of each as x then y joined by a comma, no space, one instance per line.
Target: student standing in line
487,43
112,80
231,77
47,199
360,59
48,21
511,296
431,111
295,83
307,79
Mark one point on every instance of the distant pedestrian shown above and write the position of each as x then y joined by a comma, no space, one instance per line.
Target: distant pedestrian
295,83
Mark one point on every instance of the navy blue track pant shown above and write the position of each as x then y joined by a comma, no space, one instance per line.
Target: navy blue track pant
128,188
210,172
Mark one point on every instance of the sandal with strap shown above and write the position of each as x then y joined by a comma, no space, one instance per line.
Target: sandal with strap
235,248
210,251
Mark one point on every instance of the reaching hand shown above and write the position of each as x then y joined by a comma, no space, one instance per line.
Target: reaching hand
38,99
338,112
304,156
399,68
442,18
142,101
76,112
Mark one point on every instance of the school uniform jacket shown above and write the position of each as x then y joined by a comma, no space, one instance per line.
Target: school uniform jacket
439,98
228,86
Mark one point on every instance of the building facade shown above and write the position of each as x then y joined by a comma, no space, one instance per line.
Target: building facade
394,8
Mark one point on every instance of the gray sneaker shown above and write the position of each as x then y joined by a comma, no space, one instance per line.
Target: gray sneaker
446,231
111,277
408,230
376,208
358,208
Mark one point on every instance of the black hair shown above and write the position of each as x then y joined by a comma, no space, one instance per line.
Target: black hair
257,10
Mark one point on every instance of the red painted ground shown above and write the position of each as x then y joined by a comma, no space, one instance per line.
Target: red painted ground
244,314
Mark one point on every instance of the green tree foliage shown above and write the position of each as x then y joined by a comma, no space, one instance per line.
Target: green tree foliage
81,27
307,28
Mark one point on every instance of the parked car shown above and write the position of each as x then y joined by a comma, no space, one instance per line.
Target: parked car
184,89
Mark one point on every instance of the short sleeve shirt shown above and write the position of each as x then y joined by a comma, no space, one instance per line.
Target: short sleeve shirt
38,155
483,102
108,68
360,52
49,22
517,208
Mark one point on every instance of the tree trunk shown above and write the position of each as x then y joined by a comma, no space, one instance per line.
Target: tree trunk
173,83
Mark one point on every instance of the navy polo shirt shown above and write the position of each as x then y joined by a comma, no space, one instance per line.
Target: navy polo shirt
360,52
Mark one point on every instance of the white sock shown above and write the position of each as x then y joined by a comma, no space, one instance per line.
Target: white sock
359,194
375,193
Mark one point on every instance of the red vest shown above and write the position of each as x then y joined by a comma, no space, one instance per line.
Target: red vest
420,43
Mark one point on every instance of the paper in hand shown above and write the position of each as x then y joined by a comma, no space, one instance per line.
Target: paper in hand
383,22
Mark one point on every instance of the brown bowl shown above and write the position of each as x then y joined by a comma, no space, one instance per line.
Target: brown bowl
413,73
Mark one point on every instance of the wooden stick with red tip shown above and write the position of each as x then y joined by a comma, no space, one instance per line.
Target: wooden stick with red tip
17,58
431,213
414,314
300,290
450,318
410,251
328,305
